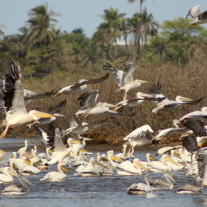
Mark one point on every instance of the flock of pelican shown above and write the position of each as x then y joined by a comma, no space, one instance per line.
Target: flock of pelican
65,148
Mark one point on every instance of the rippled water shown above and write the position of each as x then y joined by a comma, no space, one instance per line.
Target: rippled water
103,191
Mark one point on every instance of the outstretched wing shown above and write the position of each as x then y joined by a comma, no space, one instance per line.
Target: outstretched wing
57,108
91,81
117,74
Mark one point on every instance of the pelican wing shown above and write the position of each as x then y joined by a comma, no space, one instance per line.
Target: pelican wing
144,131
190,143
97,123
13,90
57,108
203,15
194,12
128,72
91,81
117,74
88,99
28,95
196,125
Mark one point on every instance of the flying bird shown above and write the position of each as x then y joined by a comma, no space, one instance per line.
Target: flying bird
13,102
198,17
81,85
124,79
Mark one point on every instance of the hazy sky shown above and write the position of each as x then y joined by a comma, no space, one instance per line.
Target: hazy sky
85,13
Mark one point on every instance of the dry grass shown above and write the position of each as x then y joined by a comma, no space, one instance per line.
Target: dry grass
188,81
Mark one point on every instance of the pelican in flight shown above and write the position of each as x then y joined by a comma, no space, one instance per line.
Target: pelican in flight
52,139
13,102
172,104
198,17
89,105
81,85
155,91
139,137
124,79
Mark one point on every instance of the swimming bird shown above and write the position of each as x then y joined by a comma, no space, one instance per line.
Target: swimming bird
13,102
189,188
2,153
198,17
56,176
139,137
124,79
17,189
23,149
6,176
81,85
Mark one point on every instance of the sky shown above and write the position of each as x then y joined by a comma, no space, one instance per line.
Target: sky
85,13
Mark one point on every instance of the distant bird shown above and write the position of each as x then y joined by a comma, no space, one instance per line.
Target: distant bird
198,17
89,105
189,188
79,129
13,102
139,137
124,78
81,85
172,104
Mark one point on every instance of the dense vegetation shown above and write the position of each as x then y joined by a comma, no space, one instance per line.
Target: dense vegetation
173,54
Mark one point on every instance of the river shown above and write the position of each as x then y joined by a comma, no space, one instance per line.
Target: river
105,191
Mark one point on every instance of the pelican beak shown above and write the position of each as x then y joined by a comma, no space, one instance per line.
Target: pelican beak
111,105
114,158
152,158
184,99
43,114
58,115
3,152
64,169
145,95
167,159
98,163
50,151
142,81
87,139
12,172
28,162
75,141
140,165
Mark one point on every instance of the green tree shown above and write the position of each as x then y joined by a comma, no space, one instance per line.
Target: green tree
41,25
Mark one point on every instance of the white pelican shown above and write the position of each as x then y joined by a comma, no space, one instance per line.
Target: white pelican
92,168
123,105
139,137
155,91
56,176
189,188
140,188
81,85
16,189
124,78
52,139
53,111
115,161
79,129
171,163
6,177
172,104
131,168
23,149
13,102
198,17
88,101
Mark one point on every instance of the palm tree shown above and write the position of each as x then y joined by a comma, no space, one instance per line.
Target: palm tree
109,30
41,25
141,2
